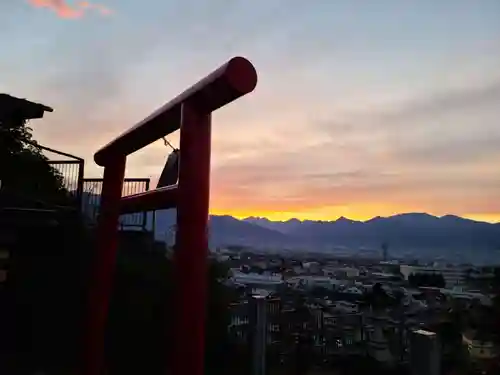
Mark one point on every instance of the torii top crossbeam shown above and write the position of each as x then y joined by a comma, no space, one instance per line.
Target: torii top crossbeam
232,80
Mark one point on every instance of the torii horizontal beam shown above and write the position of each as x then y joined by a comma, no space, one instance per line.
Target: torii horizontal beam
232,80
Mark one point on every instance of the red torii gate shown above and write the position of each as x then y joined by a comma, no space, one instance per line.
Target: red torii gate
191,113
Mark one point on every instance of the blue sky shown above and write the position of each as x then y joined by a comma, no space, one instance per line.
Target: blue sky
363,108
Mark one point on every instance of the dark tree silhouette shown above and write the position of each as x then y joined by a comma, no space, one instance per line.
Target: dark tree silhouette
24,171
43,291
378,299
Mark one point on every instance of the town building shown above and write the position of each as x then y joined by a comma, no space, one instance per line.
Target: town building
452,275
424,353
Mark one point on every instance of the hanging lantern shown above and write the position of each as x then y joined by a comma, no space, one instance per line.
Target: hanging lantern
170,173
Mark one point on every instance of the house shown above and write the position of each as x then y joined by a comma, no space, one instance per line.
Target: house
479,345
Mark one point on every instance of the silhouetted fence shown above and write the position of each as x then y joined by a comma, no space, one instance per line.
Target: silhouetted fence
92,188
72,174
71,171
87,191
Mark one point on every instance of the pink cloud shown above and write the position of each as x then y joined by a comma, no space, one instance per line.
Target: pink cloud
68,11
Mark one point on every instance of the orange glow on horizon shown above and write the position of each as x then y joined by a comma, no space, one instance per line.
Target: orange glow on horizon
489,218
331,214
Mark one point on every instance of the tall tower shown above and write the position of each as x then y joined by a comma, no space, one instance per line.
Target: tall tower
385,251
424,353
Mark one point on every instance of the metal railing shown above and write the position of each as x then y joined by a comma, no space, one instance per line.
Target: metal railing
71,170
92,188
72,174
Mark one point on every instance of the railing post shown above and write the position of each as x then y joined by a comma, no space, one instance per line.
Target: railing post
145,215
191,247
258,327
101,278
79,185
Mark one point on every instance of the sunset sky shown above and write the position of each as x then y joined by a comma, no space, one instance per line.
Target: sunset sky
363,108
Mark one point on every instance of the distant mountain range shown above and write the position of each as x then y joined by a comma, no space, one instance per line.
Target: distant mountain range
412,233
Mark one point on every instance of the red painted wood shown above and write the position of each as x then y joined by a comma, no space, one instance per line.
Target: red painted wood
191,112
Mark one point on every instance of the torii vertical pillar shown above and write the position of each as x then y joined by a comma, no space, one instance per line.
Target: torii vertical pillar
190,256
191,113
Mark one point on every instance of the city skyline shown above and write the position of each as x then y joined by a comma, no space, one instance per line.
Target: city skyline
359,112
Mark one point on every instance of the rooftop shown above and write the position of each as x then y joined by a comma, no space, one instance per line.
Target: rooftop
12,107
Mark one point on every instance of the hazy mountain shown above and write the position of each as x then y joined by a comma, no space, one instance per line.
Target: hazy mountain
281,226
405,231
226,230
412,234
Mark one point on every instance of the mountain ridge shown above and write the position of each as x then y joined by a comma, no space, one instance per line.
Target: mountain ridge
263,218
419,234
409,235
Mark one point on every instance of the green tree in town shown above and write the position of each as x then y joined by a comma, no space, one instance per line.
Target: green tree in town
427,280
378,299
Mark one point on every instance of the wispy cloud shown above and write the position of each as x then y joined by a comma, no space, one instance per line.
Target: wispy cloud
69,11
360,112
436,154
